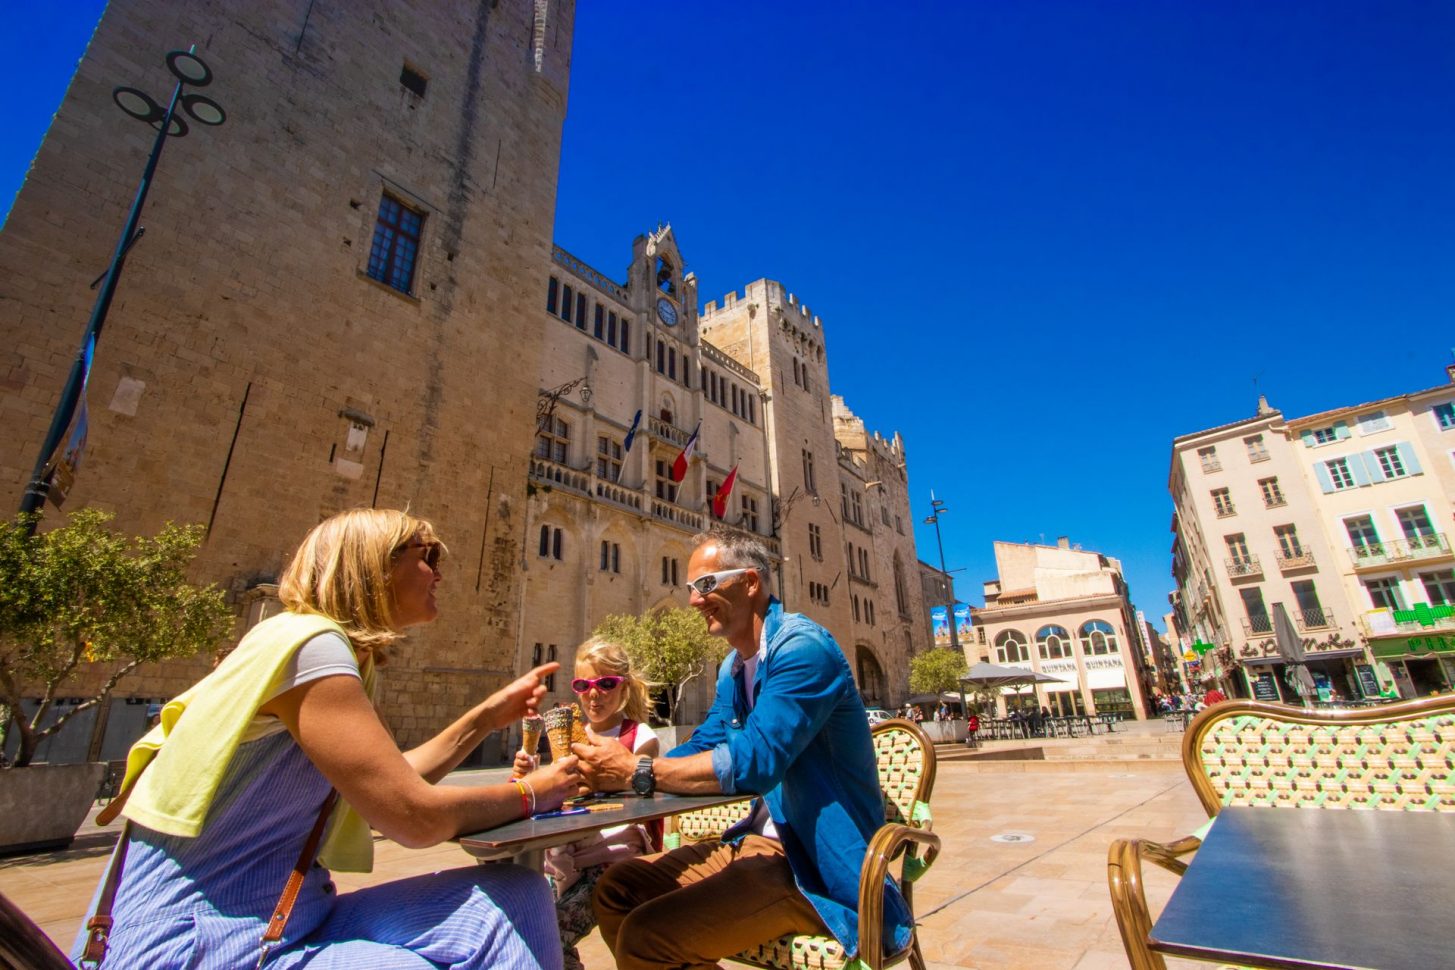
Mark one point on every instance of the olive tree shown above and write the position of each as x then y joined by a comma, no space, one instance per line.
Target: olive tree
82,594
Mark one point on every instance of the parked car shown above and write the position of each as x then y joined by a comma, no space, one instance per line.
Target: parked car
877,714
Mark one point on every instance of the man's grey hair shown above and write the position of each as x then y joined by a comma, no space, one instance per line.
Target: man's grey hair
738,549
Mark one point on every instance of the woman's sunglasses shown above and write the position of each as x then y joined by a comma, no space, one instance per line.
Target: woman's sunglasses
610,682
431,555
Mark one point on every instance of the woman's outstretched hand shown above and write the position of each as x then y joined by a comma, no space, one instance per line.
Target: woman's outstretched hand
555,783
519,698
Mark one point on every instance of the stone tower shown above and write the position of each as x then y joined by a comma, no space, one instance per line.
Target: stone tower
335,303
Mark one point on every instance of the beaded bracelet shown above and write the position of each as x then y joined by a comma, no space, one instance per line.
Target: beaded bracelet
527,802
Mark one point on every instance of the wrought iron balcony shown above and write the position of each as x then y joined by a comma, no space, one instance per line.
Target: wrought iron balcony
1244,567
1303,560
1314,618
1368,555
1258,625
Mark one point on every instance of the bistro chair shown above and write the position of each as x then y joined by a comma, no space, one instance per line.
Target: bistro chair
1395,757
22,944
906,762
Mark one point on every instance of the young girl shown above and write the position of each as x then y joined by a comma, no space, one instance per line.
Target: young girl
615,703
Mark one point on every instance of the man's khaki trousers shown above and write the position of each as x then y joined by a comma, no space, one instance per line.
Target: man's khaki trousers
698,904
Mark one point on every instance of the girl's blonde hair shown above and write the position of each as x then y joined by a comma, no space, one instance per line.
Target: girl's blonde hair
610,657
341,571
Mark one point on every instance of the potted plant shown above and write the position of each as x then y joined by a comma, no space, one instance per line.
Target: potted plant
81,607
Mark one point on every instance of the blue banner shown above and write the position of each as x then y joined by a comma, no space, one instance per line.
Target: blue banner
940,623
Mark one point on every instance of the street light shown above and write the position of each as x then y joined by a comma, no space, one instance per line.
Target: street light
189,70
933,519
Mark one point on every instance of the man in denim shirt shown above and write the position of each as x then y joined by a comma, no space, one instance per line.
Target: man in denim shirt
787,724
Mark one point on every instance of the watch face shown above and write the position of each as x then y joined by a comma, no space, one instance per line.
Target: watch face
666,312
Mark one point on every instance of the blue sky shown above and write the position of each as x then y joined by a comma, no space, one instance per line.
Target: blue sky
1044,237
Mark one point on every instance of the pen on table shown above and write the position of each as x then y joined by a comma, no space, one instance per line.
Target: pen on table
558,813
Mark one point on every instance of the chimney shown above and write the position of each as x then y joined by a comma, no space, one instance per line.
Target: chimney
1263,407
1063,542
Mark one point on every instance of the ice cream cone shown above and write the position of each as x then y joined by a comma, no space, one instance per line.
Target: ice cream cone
559,731
530,734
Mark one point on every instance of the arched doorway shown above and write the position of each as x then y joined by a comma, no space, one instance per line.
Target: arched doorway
871,677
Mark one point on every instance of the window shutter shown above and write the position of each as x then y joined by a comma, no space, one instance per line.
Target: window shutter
1321,472
1357,469
1370,461
1408,459
1308,438
1341,430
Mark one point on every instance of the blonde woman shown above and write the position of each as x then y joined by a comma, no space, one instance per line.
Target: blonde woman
614,700
236,773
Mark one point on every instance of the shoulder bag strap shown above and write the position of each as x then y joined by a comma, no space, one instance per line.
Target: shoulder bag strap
273,935
628,734
98,927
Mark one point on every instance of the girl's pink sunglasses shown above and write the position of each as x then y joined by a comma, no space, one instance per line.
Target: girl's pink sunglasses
610,682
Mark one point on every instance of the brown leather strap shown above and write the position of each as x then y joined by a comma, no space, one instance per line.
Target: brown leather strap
279,920
98,927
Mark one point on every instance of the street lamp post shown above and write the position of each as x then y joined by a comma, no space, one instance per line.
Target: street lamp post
190,70
939,509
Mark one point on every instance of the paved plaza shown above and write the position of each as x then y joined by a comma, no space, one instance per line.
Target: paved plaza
1021,905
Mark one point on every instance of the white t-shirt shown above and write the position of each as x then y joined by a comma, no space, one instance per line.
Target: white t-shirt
326,655
644,734
762,821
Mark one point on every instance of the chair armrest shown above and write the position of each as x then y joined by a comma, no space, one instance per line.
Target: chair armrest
1129,898
887,843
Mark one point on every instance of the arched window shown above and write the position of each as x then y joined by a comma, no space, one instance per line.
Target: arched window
871,676
1010,647
1098,638
1053,642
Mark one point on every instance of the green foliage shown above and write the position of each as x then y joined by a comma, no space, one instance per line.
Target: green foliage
937,671
668,648
81,593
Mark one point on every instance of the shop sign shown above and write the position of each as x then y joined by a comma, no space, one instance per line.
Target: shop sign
1414,646
1265,688
1102,663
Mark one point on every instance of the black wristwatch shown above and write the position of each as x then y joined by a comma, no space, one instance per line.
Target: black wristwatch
644,780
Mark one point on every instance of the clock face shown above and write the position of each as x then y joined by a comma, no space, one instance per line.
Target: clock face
666,312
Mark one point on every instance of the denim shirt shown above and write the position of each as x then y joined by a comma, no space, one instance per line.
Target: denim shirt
804,746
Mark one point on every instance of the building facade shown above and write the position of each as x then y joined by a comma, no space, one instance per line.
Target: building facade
348,296
1342,518
1063,612
335,303
608,531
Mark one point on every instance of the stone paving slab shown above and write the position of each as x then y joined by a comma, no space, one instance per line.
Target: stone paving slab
992,906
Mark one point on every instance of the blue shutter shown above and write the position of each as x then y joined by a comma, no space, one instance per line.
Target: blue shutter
1308,439
1408,459
1321,472
1341,430
1357,469
1370,461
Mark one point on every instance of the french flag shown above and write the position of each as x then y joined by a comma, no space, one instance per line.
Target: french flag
679,467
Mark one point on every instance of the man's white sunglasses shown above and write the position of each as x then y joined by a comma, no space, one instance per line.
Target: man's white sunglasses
707,583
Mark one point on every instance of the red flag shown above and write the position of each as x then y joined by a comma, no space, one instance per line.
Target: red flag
720,500
679,467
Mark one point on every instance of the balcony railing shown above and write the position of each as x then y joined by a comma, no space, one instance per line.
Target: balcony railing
1244,567
1314,618
1302,560
1431,546
1259,624
1212,465
1423,619
588,484
667,431
677,515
